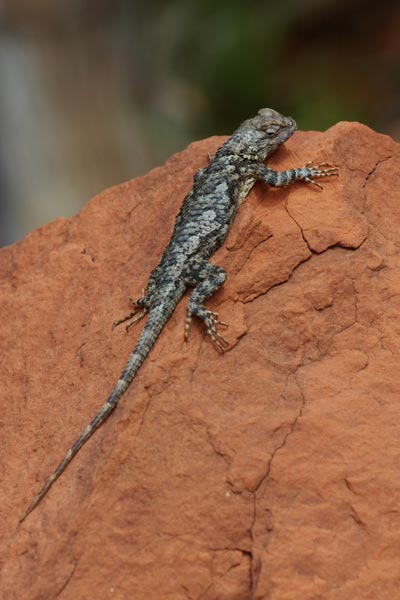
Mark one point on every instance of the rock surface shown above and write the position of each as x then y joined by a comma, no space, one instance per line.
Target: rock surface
269,473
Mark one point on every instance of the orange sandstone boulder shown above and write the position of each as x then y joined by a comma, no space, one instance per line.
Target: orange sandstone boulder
271,472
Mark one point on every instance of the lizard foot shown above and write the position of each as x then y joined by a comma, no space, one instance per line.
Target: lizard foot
136,305
321,170
210,319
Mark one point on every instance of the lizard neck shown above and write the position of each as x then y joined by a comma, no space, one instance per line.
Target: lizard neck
240,145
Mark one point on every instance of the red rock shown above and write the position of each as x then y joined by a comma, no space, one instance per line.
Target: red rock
269,472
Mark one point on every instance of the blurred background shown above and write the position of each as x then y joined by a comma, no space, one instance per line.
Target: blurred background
95,92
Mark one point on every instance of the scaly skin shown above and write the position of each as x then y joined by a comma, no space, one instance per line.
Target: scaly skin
200,228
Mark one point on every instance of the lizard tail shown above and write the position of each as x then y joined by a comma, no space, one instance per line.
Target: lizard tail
158,316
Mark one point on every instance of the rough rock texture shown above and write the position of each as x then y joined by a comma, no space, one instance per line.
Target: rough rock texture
272,472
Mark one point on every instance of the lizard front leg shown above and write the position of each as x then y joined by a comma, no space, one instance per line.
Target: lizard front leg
284,178
208,278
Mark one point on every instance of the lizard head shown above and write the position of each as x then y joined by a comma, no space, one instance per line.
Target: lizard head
265,132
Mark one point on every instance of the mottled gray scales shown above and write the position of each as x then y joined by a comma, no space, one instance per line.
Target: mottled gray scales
201,226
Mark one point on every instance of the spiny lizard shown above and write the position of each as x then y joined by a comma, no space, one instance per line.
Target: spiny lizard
200,228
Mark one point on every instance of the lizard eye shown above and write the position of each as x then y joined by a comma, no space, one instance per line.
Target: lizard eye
272,130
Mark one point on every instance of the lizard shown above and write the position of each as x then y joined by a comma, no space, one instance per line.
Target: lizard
201,225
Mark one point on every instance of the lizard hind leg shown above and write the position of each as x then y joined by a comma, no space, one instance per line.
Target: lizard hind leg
208,278
142,303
